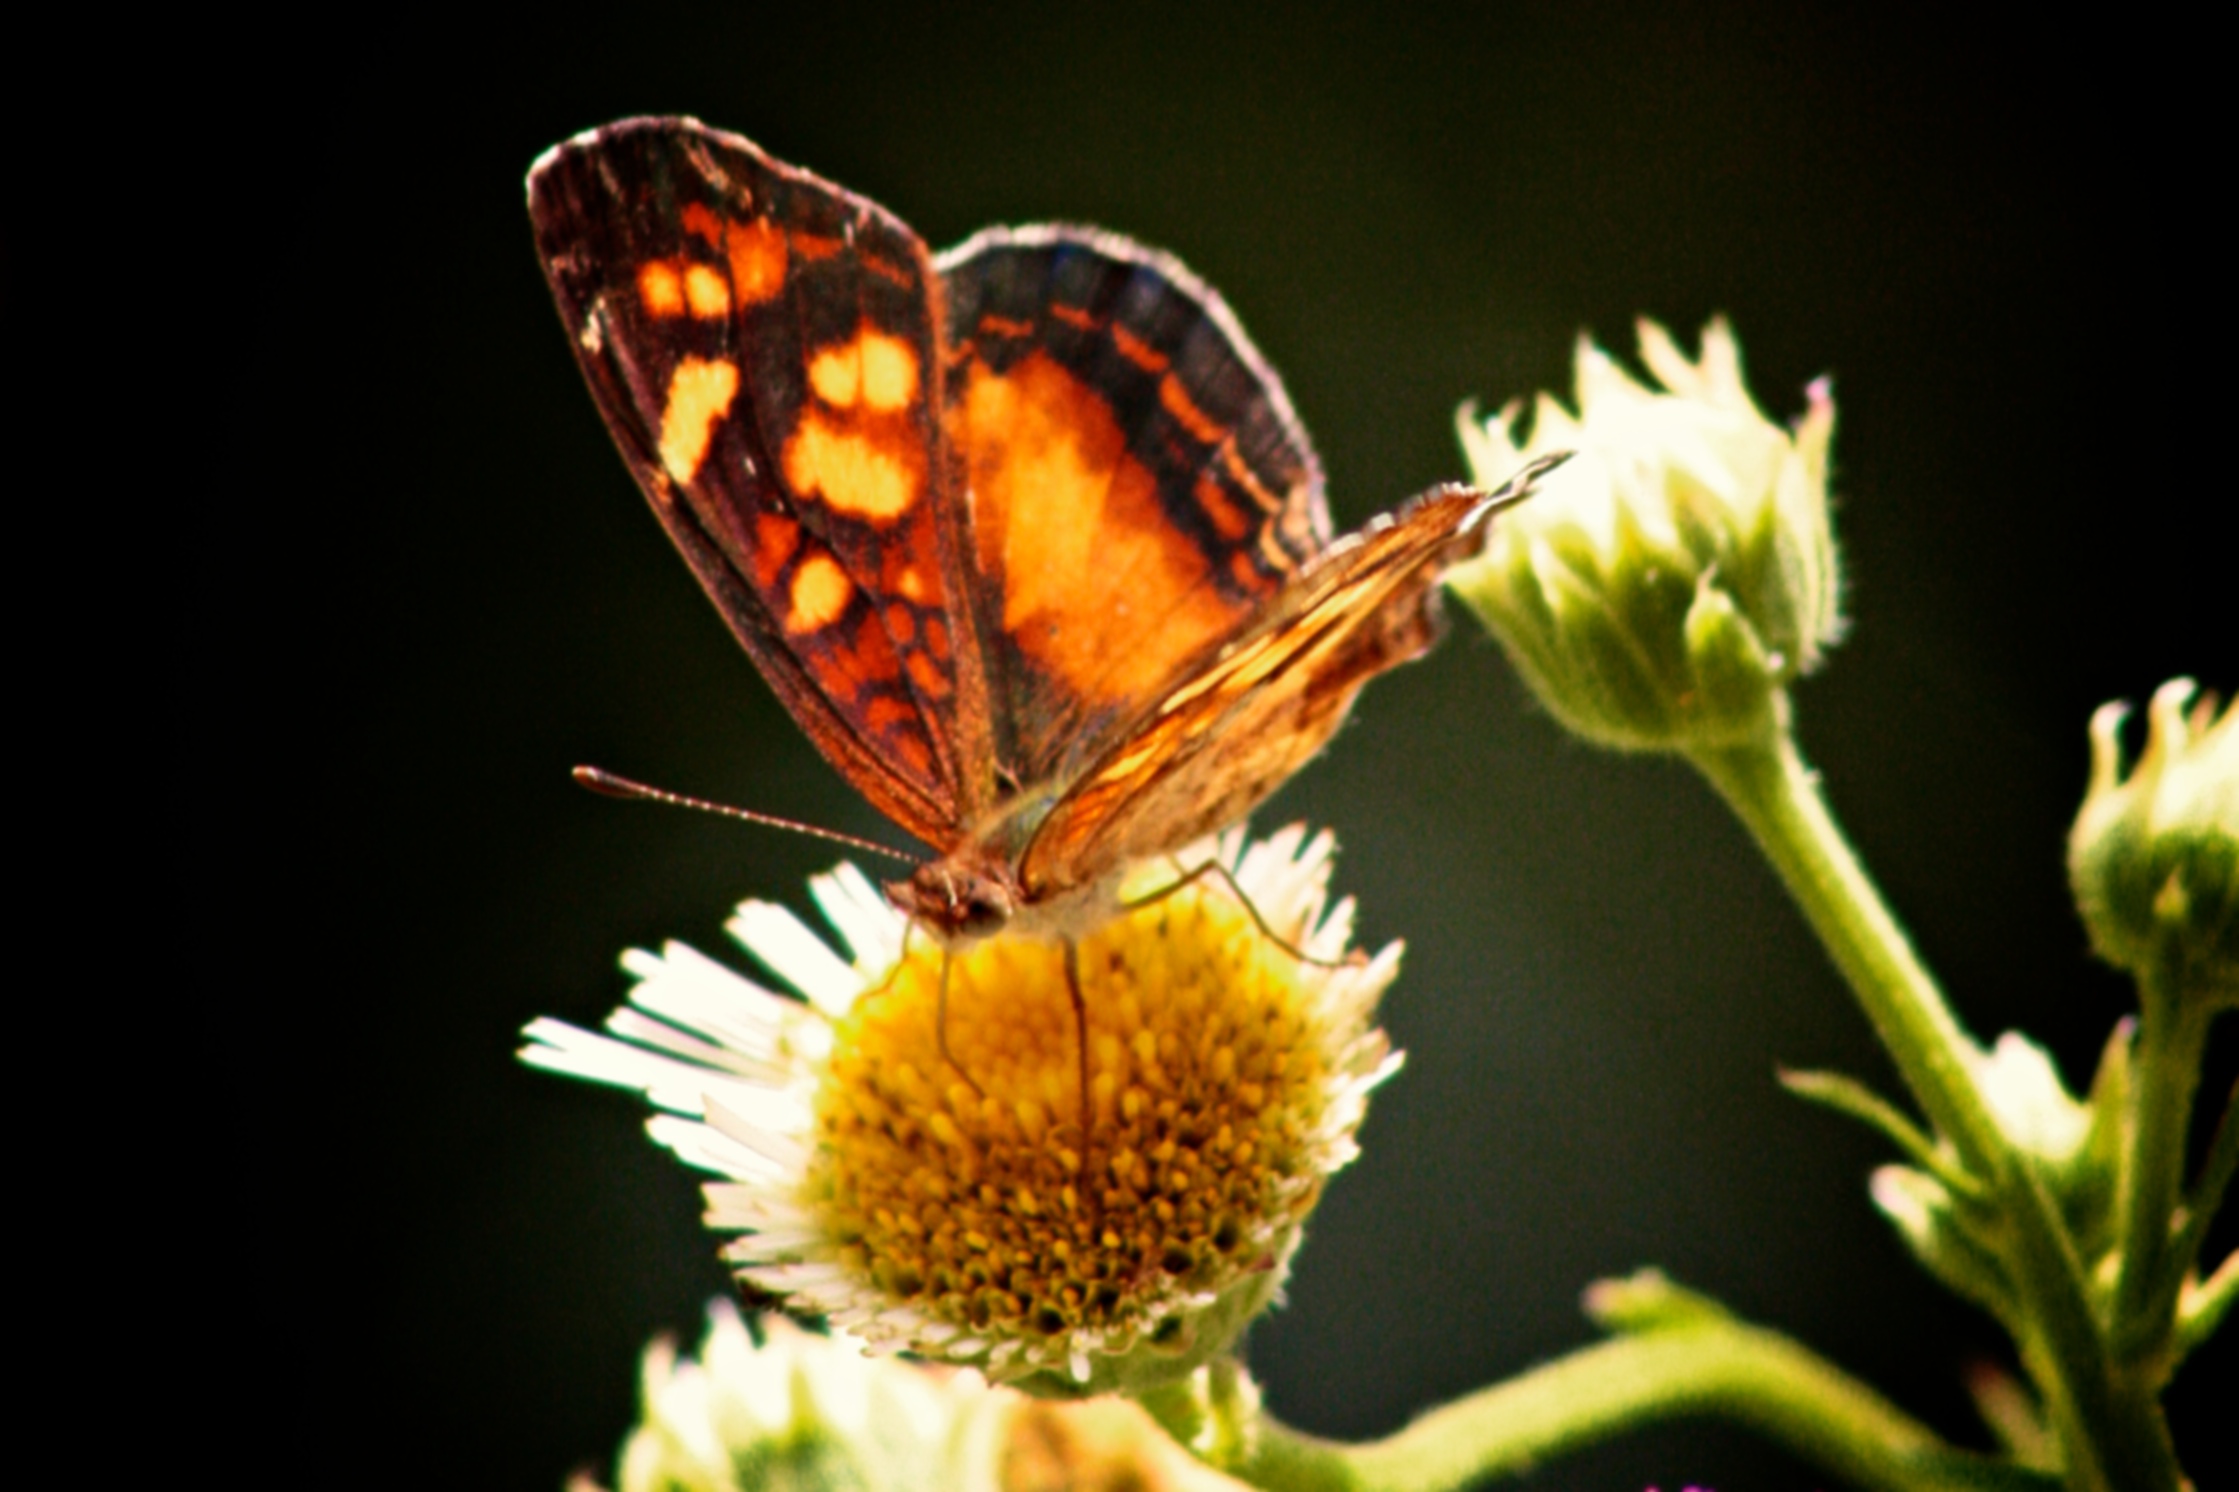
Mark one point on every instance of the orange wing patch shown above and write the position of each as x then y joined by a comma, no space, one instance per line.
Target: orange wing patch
819,595
1220,510
856,472
660,289
875,370
755,251
705,292
1139,352
863,458
775,538
1057,498
700,394
669,288
1185,411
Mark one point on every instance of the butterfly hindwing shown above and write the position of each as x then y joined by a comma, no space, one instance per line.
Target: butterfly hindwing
764,347
1139,488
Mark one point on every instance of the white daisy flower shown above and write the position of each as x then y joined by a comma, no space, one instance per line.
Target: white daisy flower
940,1183
802,1410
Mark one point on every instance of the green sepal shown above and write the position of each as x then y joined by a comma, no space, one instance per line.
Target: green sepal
1735,697
2013,1414
1846,1095
2091,1188
1647,1300
2201,1308
1930,1220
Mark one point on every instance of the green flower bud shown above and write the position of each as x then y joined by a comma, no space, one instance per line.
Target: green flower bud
1665,585
2154,856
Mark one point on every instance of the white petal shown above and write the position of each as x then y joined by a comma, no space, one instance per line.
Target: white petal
759,1136
707,1149
668,1082
860,913
789,950
684,985
643,1030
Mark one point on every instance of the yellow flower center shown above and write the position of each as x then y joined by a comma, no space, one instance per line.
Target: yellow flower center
972,1187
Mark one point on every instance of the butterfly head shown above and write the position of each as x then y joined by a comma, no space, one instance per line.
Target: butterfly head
957,903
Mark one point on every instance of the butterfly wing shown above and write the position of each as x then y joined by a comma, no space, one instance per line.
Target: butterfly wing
1139,488
764,347
1257,709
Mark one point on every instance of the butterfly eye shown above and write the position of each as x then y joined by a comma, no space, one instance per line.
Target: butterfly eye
975,919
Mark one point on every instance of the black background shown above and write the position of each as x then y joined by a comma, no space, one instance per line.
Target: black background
1985,237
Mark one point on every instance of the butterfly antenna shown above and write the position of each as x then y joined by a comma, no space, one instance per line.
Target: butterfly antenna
599,780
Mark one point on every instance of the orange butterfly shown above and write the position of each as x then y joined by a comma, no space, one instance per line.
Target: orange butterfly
1026,536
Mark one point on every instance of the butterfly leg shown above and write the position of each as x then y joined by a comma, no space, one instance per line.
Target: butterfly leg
1080,1022
940,1028
1215,868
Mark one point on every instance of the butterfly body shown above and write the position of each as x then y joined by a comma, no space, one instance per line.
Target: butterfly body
1026,537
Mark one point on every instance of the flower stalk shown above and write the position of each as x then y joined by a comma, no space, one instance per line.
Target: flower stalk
1777,798
1675,1355
2157,1249
2111,1434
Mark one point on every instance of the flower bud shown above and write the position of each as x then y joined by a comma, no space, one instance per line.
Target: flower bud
1663,587
2154,855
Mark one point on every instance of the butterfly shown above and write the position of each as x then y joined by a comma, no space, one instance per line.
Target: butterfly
1025,535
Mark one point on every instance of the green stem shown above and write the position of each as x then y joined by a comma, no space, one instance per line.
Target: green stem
1718,1367
2171,1033
2208,1189
2110,1436
1777,797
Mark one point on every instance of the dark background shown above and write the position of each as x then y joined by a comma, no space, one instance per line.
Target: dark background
1601,976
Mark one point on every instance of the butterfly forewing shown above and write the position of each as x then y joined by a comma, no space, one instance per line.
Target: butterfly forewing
1140,490
765,348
